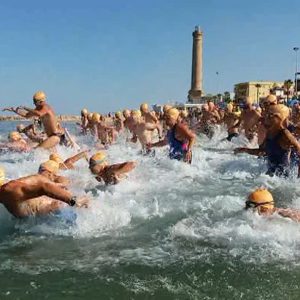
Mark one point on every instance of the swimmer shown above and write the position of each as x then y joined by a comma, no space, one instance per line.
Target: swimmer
35,195
278,143
31,133
179,138
249,119
48,118
84,120
119,122
262,202
232,122
109,174
147,114
15,143
142,130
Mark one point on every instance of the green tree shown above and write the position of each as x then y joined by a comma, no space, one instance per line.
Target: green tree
227,97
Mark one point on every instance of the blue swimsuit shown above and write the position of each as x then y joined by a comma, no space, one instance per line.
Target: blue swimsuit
178,149
278,158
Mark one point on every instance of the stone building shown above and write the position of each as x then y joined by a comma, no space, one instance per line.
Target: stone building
255,89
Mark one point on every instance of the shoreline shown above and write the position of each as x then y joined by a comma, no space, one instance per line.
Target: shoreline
63,118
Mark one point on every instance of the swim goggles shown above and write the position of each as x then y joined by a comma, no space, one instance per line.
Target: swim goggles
251,204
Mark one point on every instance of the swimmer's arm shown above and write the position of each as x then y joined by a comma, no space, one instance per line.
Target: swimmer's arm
188,134
55,191
16,111
257,152
291,140
161,143
34,112
71,160
118,169
289,213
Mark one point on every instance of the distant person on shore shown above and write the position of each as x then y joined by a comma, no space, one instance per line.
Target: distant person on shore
262,202
35,195
179,137
109,174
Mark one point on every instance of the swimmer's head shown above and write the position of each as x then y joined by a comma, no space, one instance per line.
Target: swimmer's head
171,116
269,100
126,113
55,157
20,128
118,115
50,166
276,114
166,107
96,117
90,117
144,108
39,98
136,115
205,107
84,112
14,136
229,107
2,175
260,199
98,159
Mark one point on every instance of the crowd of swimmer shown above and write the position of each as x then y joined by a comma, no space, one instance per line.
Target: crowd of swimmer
275,126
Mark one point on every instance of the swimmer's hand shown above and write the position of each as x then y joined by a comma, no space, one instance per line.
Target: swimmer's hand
8,109
188,156
83,202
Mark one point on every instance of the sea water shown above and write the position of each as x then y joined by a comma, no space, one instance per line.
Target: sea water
169,231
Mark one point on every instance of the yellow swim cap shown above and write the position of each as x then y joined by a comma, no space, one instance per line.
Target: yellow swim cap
90,116
279,110
50,166
96,117
173,113
270,99
14,136
144,107
2,176
260,198
39,96
136,113
118,114
166,107
229,107
84,111
98,159
55,157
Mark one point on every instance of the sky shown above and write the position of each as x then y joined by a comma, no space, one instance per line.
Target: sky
108,55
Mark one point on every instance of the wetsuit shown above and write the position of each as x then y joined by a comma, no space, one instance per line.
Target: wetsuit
278,158
178,149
